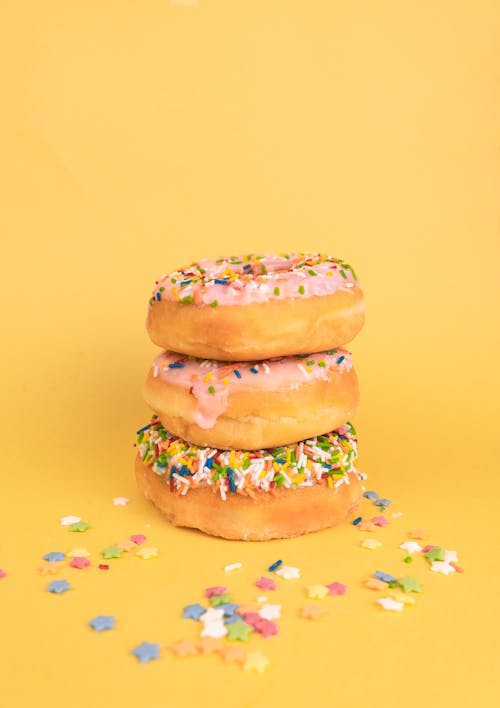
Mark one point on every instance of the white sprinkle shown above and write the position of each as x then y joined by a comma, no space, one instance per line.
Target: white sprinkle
120,501
262,598
214,629
155,371
389,604
232,566
213,614
181,479
289,572
339,482
411,546
451,557
303,369
266,368
442,567
397,514
270,612
68,520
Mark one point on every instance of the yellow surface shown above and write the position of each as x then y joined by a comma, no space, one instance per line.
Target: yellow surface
139,136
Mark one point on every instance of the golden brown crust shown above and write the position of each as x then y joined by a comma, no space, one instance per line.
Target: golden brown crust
258,330
259,419
283,513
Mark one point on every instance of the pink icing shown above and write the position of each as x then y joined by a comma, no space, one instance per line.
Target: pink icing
211,382
254,278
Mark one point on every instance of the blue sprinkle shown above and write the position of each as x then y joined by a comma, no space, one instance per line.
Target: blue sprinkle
143,429
177,365
158,296
357,520
386,577
231,619
230,479
229,608
340,359
209,463
184,472
247,266
327,467
281,460
58,586
193,612
274,566
54,556
383,502
185,282
254,370
221,281
370,495
173,470
237,374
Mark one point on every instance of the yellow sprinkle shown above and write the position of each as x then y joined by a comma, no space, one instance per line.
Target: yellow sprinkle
403,597
225,381
318,592
330,482
370,543
208,377
231,458
147,553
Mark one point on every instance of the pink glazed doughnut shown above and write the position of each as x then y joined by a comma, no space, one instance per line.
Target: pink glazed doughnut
252,405
251,307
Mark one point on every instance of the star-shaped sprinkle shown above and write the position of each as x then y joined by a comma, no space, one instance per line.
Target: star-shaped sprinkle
79,562
435,554
184,647
69,520
102,623
215,629
58,586
370,495
3,574
222,599
78,553
232,566
397,514
270,612
147,553
212,615
138,538
256,661
442,567
410,584
370,543
402,597
418,534
235,653
54,556
336,588
120,501
239,631
380,521
311,612
382,502
79,526
126,545
386,577
50,568
229,608
111,552
193,612
146,651
216,590
265,583
411,546
375,584
450,556
317,592
266,628
230,619
209,645
288,572
367,526
389,604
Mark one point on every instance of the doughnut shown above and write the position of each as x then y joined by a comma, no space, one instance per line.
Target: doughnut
252,405
250,495
251,307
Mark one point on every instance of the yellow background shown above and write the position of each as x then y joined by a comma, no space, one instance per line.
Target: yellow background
141,135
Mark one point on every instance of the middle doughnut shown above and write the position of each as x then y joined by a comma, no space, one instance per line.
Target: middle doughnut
250,405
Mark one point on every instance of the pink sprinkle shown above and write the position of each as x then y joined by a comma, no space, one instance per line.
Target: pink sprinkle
266,627
103,566
427,548
3,574
216,590
252,618
265,583
79,562
379,521
336,588
138,538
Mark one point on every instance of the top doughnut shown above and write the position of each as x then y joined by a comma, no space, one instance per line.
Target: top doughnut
257,306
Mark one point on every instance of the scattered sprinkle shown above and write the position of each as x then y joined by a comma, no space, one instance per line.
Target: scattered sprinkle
193,612
435,554
383,502
239,631
370,543
69,520
270,612
103,566
79,553
411,546
58,586
256,661
209,645
120,501
370,495
147,553
216,590
311,612
184,647
380,521
275,565
138,539
232,566
102,623
288,572
265,583
79,527
79,562
336,588
410,584
389,604
442,567
111,552
358,520
417,533
376,584
54,556
234,653
317,592
146,652
386,577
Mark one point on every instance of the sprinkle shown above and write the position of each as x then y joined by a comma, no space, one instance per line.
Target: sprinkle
209,645
380,521
275,565
386,577
370,543
147,553
389,604
54,556
442,567
138,539
270,612
397,514
239,631
212,615
187,300
367,526
265,583
126,545
266,628
102,623
79,526
146,652
103,566
214,629
254,370
221,599
410,584
411,546
237,373
382,502
340,359
221,281
120,501
311,612
276,291
216,590
408,559
232,566
301,289
450,556
184,648
435,554
211,389
68,520
370,495
336,588
3,574
419,534
58,586
357,520
193,612
214,303
401,597
261,598
79,562
234,653
317,592
50,568
288,572
229,609
375,584
256,661
111,552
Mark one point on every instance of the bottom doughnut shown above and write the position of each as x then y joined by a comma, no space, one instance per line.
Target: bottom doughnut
282,513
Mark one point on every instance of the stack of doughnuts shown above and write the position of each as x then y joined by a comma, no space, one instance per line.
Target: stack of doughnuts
252,395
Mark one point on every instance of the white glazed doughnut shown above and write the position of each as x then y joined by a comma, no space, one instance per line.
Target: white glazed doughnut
253,496
256,307
252,405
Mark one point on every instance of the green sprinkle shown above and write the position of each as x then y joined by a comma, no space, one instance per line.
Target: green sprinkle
214,303
162,289
187,299
246,464
311,272
310,362
263,269
211,389
79,526
349,267
321,363
173,280
342,273
279,480
408,559
301,289
331,352
276,291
